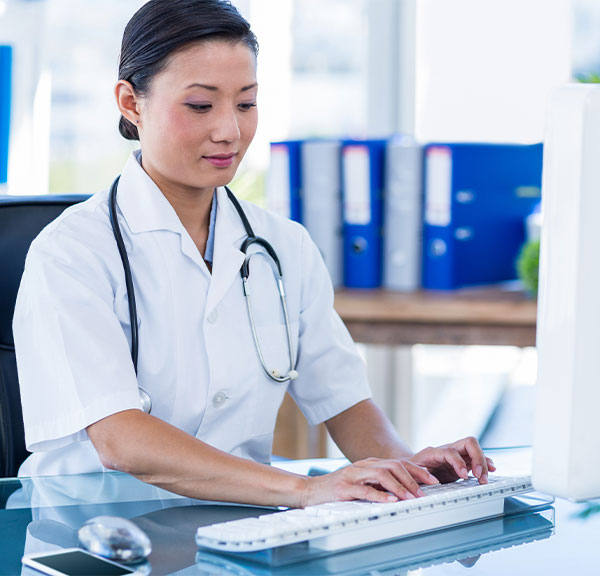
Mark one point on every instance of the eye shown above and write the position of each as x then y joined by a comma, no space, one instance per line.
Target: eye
199,107
245,106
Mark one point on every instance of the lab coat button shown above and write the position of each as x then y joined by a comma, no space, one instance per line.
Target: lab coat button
219,399
212,317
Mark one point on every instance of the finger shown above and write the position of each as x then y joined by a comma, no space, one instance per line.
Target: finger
377,473
371,494
454,459
398,481
490,464
478,461
392,475
419,473
411,474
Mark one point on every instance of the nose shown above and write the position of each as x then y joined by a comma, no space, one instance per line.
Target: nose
226,127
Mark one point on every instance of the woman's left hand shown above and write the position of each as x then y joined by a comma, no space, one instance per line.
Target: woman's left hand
452,461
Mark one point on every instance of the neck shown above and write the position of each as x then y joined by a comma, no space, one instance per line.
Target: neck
192,206
193,209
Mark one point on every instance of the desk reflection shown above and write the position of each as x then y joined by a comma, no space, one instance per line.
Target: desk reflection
463,544
61,505
44,514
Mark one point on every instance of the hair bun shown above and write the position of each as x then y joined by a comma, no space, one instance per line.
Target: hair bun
128,130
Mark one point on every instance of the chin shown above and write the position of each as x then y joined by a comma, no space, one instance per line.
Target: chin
221,182
221,178
203,180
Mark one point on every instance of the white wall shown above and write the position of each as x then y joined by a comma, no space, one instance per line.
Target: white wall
485,67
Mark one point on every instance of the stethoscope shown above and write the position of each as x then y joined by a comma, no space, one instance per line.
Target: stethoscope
251,240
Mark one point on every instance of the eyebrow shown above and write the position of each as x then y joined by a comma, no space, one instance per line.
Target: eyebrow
215,89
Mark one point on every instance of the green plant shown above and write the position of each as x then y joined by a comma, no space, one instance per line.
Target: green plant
589,78
528,264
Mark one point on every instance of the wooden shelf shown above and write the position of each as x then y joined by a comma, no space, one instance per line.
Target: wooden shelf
488,315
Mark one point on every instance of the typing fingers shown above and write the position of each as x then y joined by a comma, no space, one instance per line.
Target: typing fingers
479,464
452,457
370,493
392,476
420,474
371,479
383,480
400,478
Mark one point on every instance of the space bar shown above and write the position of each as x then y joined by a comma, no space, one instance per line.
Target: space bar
410,524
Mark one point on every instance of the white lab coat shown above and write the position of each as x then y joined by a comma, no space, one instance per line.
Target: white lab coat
197,358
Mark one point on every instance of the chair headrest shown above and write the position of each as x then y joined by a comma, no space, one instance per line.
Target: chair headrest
22,218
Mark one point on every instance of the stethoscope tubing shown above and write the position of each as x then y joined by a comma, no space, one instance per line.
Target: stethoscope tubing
274,374
251,240
127,268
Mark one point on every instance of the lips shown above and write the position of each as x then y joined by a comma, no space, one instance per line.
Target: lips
221,160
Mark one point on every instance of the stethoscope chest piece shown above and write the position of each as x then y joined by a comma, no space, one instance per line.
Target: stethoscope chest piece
145,400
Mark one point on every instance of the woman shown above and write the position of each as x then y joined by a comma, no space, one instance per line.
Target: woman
187,91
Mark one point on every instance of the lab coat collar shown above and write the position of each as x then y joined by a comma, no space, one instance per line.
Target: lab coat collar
228,259
143,205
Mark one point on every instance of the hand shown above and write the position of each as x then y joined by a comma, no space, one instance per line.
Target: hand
452,461
373,479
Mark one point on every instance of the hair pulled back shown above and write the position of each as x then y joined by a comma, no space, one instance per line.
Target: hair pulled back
161,27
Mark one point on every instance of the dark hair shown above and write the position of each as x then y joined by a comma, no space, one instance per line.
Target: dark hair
161,27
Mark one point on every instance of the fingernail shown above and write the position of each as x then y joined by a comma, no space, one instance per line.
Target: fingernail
478,470
483,479
464,473
409,496
435,480
420,492
392,498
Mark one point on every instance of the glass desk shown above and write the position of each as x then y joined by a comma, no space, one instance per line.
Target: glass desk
44,514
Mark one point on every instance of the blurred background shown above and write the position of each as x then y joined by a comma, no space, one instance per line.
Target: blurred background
440,70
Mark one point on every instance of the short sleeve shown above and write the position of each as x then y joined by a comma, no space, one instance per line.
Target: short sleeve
332,374
73,358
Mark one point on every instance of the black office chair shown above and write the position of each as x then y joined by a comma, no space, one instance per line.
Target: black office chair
21,220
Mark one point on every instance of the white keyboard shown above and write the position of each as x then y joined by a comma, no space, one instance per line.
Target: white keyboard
339,525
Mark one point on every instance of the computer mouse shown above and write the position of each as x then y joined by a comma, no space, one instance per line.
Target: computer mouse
115,538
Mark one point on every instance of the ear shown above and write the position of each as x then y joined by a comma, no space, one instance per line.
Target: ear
128,101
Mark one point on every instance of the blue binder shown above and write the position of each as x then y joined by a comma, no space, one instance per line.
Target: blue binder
362,194
284,183
5,98
477,197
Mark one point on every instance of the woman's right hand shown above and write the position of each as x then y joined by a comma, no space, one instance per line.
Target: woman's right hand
372,479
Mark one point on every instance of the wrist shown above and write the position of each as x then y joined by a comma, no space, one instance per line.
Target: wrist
303,492
401,455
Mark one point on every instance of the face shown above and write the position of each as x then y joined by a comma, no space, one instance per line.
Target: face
199,116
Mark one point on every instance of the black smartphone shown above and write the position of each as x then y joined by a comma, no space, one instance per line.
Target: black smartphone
74,562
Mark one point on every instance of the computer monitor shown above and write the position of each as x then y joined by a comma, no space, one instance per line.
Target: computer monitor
566,452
